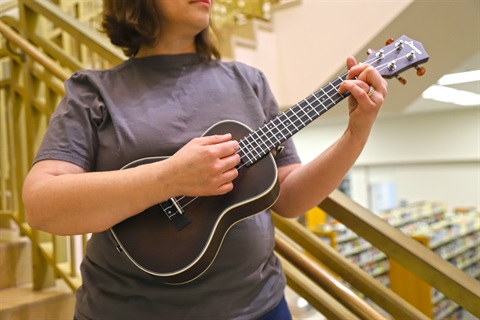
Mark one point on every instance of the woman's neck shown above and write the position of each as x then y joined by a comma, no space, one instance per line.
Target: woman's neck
168,45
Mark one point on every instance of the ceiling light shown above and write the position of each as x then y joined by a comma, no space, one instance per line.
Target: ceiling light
461,77
450,95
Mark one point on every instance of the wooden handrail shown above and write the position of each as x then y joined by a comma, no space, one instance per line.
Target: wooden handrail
315,295
7,5
321,277
93,39
415,257
359,279
33,52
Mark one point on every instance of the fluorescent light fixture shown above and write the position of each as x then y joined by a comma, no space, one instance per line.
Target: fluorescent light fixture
461,77
450,95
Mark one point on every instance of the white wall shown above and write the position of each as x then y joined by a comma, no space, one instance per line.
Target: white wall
315,37
307,43
434,156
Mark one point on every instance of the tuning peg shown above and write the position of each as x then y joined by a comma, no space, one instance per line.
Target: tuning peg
420,71
401,80
369,52
389,41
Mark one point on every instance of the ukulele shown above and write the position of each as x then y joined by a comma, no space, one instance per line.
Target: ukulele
177,240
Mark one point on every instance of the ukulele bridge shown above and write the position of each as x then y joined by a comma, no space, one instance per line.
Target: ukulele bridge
174,212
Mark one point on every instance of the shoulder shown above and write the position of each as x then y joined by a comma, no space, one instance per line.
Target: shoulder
84,80
237,65
99,81
240,70
92,76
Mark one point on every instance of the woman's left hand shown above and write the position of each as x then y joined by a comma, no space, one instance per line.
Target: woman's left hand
368,90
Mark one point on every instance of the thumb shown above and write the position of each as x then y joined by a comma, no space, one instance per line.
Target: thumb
351,61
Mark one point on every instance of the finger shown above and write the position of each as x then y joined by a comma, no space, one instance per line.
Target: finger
215,139
351,61
230,175
226,149
230,161
226,184
355,71
358,89
344,87
225,188
372,77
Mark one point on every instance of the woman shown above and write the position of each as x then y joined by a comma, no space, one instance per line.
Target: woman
159,102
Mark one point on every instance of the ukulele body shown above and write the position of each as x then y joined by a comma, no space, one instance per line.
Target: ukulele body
152,242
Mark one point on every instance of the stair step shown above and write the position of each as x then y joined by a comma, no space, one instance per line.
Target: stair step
24,303
15,262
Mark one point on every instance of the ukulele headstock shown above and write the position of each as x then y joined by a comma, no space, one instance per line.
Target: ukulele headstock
398,56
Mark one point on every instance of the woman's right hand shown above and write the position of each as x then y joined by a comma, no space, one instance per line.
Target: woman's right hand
205,166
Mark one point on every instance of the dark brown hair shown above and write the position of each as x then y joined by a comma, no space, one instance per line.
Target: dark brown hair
131,24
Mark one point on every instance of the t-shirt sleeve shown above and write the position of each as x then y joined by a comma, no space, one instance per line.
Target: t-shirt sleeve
72,131
289,154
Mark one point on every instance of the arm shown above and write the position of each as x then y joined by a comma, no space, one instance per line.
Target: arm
62,198
303,187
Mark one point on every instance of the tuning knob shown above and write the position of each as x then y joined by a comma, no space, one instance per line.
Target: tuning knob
389,41
420,71
369,52
401,80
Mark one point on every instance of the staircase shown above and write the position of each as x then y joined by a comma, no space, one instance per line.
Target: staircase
18,300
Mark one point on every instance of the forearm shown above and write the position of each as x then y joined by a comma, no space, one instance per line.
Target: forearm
62,198
308,185
91,202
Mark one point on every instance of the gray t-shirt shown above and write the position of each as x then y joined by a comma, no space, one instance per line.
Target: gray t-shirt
153,106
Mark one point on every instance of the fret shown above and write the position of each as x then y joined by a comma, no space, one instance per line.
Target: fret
313,108
272,134
254,146
286,124
272,138
245,151
323,96
271,126
305,111
334,90
295,113
318,99
263,139
284,131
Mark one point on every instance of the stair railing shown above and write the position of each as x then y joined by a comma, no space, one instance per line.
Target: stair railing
319,287
34,87
412,255
79,47
352,274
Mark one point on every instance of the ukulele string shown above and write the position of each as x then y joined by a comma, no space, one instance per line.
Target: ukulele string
185,205
335,89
